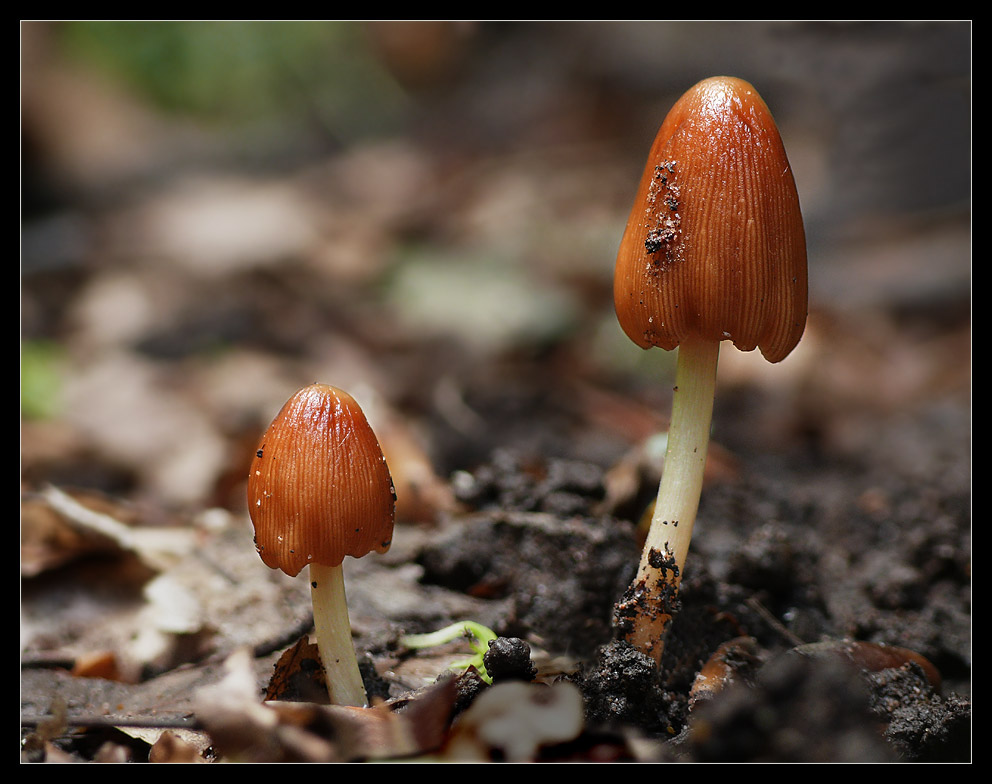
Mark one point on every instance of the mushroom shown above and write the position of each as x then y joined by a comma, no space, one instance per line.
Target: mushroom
714,249
318,490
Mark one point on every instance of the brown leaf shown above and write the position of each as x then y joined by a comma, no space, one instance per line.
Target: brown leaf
871,656
50,538
97,664
735,661
378,732
171,748
246,730
298,675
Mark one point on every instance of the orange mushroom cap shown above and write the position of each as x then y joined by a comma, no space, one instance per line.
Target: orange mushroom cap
319,488
715,245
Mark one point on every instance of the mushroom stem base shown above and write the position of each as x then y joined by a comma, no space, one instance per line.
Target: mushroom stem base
646,610
333,631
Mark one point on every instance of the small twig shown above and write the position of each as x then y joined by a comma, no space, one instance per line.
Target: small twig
774,622
159,549
188,722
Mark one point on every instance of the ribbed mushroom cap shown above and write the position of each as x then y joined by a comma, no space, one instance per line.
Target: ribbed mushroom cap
714,245
319,488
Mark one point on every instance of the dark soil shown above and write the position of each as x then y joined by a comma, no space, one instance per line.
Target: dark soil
795,576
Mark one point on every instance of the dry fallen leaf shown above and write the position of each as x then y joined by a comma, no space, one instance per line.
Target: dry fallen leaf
513,721
246,729
298,675
171,747
97,664
95,528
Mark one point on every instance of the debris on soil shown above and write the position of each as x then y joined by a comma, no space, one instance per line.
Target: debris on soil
799,710
534,543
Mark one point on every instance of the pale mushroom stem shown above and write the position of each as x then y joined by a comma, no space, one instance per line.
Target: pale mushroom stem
333,630
667,543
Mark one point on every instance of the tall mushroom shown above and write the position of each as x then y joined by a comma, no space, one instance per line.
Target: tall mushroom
318,490
714,250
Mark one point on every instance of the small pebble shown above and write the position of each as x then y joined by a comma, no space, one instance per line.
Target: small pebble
508,659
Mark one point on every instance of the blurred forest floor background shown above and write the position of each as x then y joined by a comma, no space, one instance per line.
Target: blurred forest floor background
216,213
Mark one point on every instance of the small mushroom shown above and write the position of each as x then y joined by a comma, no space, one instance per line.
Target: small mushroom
714,250
318,490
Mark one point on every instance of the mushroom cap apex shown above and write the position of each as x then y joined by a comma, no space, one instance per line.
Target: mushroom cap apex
715,246
318,486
